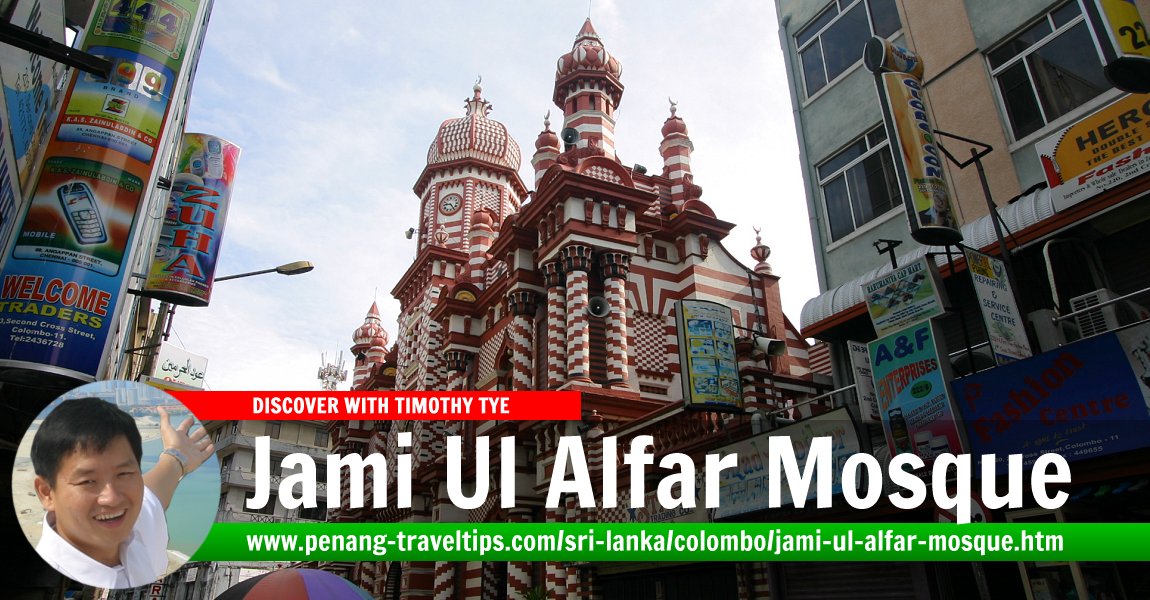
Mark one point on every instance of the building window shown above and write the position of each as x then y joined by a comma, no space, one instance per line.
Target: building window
833,41
313,514
272,429
1046,71
321,438
859,184
268,509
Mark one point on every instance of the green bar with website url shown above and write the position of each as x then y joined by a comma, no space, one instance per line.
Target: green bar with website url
597,542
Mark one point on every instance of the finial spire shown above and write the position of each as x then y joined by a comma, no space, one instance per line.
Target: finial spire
674,105
547,121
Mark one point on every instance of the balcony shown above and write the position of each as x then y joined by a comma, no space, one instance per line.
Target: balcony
276,446
242,478
233,516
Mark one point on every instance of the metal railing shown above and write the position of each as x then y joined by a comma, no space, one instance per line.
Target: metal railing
1058,319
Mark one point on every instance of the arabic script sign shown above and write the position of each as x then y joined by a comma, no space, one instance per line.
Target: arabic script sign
179,365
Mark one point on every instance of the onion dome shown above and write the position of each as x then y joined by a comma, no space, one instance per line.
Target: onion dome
371,333
674,124
482,218
547,139
475,136
588,54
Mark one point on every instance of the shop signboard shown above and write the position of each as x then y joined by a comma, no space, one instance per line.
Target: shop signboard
910,378
1083,400
1005,326
864,381
918,159
707,355
1098,152
653,511
1123,40
176,365
67,270
184,264
906,296
30,85
744,489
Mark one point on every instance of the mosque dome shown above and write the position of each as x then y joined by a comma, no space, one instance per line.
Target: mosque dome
371,333
588,54
475,136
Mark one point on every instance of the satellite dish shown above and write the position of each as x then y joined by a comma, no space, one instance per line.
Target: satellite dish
569,136
598,307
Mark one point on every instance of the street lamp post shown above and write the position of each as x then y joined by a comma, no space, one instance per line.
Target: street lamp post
166,312
294,268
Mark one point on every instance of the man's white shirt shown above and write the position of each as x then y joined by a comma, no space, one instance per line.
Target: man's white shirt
143,558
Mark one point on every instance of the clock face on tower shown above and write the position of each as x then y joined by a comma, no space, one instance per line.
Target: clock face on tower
450,203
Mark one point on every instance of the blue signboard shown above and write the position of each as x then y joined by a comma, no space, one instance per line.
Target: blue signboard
910,385
1081,401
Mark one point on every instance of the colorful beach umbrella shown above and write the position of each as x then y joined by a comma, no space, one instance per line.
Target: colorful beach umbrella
295,584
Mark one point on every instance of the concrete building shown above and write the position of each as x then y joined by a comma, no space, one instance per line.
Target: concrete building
572,286
1020,78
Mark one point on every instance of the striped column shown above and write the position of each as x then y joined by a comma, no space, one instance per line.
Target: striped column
444,580
458,362
576,263
556,325
614,267
556,574
473,580
518,571
522,305
490,581
479,240
572,575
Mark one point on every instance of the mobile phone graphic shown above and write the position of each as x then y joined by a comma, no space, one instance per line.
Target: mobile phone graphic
196,164
214,157
82,212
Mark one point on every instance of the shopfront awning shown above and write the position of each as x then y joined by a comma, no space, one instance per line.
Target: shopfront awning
845,302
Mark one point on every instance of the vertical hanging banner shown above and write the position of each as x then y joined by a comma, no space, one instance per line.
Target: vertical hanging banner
910,379
68,268
189,245
918,159
1005,326
1123,41
864,382
710,372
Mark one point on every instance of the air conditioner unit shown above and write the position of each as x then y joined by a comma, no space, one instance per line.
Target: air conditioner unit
1100,320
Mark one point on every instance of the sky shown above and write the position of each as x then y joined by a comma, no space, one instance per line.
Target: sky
335,109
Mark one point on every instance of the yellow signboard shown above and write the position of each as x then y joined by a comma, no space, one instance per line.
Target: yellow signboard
1113,131
1123,42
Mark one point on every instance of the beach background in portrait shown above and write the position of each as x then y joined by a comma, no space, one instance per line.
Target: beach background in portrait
194,506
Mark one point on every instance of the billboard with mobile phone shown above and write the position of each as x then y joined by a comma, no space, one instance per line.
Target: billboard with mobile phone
78,239
185,260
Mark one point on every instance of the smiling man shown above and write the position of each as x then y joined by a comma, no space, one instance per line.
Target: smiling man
105,524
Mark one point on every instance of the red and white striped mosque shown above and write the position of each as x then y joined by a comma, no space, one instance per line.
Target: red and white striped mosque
571,286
